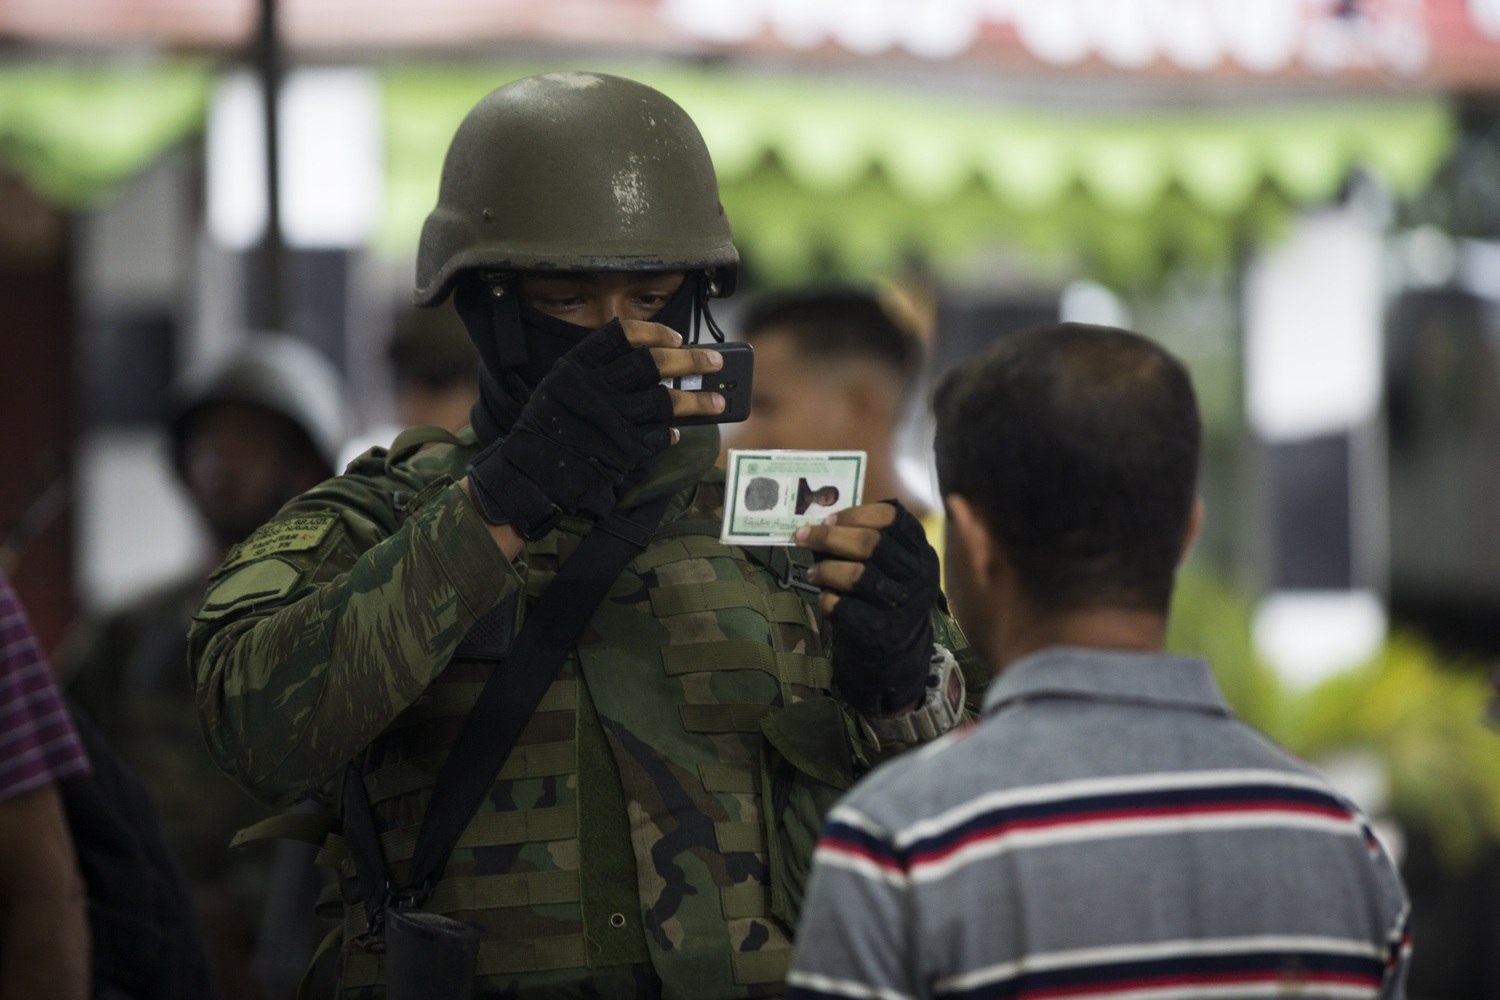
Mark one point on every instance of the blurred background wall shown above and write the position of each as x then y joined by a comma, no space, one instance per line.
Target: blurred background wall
1300,197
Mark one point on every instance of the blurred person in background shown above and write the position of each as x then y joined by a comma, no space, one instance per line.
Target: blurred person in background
44,933
435,375
1108,826
436,370
246,437
834,370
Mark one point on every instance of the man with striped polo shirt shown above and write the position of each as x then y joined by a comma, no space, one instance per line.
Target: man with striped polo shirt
1108,828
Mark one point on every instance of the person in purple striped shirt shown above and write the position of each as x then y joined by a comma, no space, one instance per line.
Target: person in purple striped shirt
1107,828
44,942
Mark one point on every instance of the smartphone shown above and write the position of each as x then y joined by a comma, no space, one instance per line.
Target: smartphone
732,381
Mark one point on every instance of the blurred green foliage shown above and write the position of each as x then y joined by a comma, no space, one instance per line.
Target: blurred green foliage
1421,715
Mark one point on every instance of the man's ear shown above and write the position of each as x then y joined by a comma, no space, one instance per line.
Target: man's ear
977,544
1194,526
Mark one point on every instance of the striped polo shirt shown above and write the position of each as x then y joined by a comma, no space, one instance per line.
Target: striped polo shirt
1107,829
38,744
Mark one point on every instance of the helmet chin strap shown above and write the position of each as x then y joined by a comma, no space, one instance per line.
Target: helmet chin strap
506,326
490,311
701,295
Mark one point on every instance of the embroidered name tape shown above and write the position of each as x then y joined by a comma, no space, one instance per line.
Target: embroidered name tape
298,534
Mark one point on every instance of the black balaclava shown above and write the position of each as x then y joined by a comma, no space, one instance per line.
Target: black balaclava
518,344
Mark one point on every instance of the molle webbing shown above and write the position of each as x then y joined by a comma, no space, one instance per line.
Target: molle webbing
736,778
721,595
739,836
454,699
688,547
534,760
761,966
496,830
485,830
743,718
746,654
478,892
749,899
496,958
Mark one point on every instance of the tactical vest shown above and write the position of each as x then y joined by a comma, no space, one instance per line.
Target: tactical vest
625,841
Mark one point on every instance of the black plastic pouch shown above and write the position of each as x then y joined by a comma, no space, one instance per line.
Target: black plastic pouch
429,956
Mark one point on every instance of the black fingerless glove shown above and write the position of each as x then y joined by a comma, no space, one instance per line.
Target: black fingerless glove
598,418
882,629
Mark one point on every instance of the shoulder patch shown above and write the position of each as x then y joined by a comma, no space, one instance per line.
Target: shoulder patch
266,580
296,534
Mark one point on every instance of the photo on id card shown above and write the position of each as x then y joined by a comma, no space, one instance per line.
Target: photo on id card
770,494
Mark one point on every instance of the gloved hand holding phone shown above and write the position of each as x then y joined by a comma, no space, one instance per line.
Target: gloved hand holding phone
597,419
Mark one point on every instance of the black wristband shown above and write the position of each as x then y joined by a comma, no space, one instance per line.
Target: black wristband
508,498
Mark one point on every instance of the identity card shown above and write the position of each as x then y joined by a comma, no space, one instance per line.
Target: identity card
770,494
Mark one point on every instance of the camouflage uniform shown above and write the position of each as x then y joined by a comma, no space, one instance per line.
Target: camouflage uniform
625,849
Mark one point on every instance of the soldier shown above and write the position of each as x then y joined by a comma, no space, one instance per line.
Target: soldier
649,830
248,435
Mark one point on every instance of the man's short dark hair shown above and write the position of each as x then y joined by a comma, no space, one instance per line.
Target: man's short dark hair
836,323
431,350
1078,446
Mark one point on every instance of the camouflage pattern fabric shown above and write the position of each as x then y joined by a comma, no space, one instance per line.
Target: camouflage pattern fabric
624,848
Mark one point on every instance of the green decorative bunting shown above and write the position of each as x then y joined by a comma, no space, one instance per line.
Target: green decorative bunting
74,132
821,175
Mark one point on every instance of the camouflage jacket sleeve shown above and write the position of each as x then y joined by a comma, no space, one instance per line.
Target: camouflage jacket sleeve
329,620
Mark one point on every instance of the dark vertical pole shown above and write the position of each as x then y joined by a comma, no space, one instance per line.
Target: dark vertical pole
269,307
38,408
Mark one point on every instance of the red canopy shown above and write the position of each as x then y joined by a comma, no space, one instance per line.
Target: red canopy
1449,43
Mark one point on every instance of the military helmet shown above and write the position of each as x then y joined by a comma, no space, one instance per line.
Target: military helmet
275,371
575,172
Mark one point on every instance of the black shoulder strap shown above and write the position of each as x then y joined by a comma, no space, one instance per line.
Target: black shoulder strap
508,700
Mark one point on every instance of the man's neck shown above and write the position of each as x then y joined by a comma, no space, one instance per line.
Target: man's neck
1020,633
